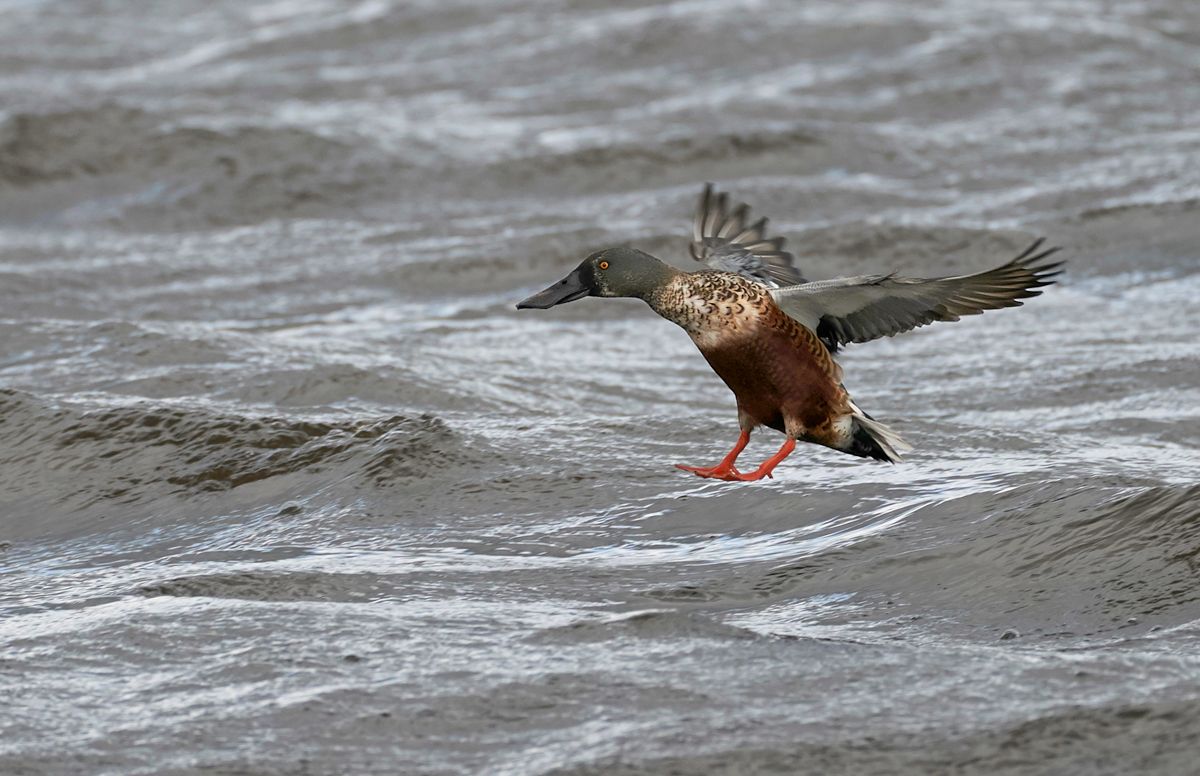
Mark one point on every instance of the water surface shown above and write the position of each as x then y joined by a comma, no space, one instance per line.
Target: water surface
288,486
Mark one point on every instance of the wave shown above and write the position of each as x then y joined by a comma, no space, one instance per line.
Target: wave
621,165
87,461
114,162
655,624
1041,560
272,586
1113,739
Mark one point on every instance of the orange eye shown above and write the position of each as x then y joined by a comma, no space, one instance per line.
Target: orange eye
604,265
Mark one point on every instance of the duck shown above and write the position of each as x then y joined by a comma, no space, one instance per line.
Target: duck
773,336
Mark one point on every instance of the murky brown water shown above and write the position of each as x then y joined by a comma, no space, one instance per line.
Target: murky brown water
287,486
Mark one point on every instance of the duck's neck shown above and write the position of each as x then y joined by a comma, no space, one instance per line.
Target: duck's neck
656,278
667,296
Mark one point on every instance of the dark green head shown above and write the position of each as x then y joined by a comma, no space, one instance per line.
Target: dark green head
610,272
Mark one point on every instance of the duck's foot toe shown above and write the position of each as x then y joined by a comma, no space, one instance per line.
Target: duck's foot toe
712,472
753,476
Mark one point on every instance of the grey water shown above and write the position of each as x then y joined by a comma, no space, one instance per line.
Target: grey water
288,486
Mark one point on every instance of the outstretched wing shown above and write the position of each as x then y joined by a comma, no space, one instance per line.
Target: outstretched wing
865,308
724,239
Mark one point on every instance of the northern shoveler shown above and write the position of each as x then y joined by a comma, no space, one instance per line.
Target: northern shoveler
770,335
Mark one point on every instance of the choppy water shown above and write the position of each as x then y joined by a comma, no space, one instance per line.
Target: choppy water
287,486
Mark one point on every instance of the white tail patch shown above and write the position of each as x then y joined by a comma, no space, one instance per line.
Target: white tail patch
888,440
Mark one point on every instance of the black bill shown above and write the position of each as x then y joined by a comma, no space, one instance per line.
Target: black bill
566,290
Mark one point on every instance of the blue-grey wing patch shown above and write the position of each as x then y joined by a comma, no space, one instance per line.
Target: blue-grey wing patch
724,238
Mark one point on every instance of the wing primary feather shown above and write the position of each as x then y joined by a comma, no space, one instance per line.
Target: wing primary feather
733,224
716,215
724,239
752,233
864,308
701,213
1033,247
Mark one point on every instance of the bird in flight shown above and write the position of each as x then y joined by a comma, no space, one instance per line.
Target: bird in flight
771,336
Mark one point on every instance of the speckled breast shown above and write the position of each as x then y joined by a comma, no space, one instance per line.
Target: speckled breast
713,307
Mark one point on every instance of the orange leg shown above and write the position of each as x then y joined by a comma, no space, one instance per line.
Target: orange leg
724,469
768,465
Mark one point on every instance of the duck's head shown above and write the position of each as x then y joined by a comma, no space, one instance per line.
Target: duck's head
610,272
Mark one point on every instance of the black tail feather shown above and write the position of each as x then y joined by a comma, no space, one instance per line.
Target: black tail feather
872,439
